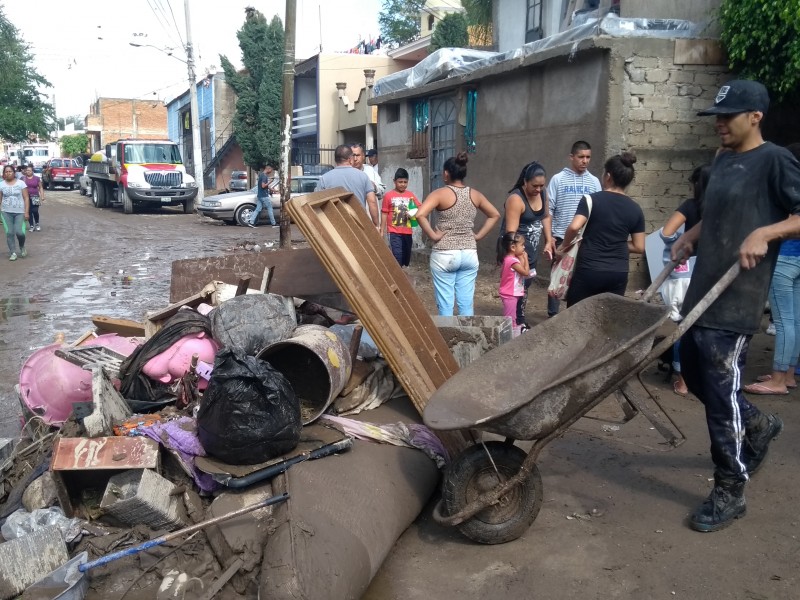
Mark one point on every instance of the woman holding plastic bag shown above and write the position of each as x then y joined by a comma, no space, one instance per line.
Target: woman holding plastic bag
686,216
614,230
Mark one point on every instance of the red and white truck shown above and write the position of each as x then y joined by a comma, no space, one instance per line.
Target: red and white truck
136,172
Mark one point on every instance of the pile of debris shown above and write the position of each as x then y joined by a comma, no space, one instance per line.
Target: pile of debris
179,454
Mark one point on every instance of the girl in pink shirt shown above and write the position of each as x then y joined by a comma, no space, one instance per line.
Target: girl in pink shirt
514,270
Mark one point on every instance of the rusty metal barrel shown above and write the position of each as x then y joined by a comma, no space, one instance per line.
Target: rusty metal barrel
317,364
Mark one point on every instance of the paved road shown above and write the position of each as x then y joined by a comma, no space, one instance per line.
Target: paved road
89,261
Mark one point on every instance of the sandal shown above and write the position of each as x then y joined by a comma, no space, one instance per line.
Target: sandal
762,390
765,378
678,391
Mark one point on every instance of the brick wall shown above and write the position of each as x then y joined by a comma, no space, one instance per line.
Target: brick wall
659,123
124,117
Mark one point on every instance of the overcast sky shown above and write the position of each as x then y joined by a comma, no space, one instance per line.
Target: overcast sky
83,47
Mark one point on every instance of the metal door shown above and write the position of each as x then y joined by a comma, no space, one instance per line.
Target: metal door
443,136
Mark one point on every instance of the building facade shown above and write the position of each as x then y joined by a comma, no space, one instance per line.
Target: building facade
111,119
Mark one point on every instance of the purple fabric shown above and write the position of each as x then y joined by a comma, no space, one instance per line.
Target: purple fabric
180,435
32,185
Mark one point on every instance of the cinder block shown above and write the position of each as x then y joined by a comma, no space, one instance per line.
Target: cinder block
470,337
28,559
109,407
143,496
6,450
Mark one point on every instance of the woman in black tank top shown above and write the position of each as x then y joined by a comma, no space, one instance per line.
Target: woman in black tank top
526,213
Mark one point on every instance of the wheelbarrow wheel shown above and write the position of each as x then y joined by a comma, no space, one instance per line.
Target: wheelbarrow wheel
472,474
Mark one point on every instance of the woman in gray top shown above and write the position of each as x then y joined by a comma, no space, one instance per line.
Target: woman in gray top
454,259
14,211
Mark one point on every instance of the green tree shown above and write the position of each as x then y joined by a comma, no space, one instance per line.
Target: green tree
479,21
451,32
257,122
762,39
72,145
400,21
23,110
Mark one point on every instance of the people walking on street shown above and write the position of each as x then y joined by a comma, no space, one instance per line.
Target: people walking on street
686,216
565,190
397,219
35,195
614,229
264,189
526,212
514,272
752,202
14,211
357,162
454,258
353,180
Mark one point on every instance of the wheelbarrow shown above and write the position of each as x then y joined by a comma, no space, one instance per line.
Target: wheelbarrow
534,388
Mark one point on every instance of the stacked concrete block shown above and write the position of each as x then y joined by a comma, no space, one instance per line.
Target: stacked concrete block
27,559
143,496
470,337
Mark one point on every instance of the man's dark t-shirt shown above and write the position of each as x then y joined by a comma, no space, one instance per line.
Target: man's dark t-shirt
605,240
745,191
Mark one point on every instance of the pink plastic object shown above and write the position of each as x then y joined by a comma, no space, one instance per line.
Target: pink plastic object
49,385
175,361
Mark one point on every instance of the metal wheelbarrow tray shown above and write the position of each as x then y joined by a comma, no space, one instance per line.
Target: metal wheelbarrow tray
530,386
534,388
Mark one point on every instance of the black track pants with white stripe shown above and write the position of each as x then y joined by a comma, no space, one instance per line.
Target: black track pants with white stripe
712,363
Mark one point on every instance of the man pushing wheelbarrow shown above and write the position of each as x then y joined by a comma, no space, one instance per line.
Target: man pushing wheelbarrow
752,202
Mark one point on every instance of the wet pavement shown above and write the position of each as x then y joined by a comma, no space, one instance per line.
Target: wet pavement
88,261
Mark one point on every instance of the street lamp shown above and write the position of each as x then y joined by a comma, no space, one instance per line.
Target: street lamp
197,160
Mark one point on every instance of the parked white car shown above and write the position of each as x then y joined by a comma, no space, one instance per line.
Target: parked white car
85,184
236,208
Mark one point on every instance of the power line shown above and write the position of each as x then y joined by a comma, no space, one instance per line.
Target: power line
178,29
162,19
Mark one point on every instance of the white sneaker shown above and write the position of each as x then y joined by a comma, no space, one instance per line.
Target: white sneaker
770,329
38,228
13,256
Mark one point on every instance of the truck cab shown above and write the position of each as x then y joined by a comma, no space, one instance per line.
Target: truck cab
135,172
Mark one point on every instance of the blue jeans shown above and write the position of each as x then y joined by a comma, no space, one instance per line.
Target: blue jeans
784,300
261,202
454,273
15,226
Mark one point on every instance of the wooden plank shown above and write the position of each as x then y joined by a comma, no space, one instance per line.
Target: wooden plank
355,255
104,453
297,272
122,327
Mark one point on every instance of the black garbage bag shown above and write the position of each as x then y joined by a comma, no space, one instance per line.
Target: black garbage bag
249,412
251,322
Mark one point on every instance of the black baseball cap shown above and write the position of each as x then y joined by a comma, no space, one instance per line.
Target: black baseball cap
372,152
738,96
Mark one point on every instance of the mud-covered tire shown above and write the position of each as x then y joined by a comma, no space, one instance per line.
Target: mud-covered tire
98,194
472,473
188,206
71,186
127,203
244,213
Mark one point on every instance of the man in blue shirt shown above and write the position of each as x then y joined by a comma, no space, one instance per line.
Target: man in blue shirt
264,188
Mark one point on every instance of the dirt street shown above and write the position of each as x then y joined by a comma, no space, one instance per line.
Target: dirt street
613,522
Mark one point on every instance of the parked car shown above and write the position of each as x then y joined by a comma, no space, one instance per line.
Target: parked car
236,208
238,181
85,183
60,171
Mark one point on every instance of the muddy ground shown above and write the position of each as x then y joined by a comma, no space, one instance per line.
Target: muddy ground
613,521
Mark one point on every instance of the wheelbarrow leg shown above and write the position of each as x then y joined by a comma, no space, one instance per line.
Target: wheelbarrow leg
675,437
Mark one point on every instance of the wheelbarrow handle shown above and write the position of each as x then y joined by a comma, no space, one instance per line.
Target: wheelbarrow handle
662,277
694,314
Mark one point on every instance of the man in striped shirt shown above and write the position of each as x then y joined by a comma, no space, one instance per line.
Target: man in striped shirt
565,190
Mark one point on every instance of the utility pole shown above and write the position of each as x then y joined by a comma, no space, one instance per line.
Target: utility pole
197,152
287,111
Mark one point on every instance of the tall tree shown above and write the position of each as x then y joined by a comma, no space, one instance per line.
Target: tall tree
451,32
762,40
24,110
400,21
479,21
257,122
